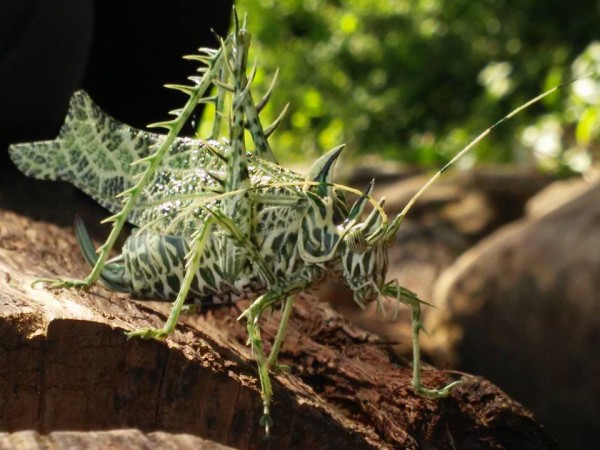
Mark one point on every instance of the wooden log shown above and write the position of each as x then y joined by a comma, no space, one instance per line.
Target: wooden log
65,364
113,439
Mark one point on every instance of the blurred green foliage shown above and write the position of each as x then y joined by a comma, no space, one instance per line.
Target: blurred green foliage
416,79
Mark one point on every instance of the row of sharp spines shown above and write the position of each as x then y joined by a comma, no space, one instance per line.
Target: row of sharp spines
210,73
209,57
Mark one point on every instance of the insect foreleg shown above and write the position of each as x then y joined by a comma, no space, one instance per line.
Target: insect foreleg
192,266
409,298
417,326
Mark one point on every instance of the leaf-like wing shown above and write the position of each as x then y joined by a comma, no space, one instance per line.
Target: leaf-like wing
95,153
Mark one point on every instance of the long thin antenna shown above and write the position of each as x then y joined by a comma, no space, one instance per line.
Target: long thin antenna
395,224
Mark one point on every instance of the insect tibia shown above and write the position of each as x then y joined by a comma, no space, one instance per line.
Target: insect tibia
417,326
237,164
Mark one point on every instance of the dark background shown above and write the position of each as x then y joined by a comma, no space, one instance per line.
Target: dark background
120,52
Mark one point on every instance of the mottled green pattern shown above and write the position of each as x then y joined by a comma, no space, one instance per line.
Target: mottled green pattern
155,263
94,152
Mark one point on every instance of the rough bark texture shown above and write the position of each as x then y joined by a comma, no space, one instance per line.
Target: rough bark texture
65,364
528,294
114,439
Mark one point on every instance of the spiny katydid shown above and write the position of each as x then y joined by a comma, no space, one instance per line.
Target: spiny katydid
218,224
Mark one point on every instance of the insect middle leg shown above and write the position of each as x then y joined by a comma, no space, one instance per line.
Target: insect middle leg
252,315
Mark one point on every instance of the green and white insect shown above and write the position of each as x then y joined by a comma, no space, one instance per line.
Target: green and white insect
218,224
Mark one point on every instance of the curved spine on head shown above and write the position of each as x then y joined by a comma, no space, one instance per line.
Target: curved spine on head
319,236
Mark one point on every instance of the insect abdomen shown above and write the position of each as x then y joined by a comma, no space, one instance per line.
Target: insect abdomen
155,268
154,265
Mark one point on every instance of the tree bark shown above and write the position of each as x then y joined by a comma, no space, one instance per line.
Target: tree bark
65,364
114,439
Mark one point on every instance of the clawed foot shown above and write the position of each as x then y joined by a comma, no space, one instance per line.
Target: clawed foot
54,283
436,393
148,333
266,422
